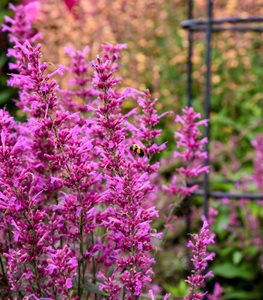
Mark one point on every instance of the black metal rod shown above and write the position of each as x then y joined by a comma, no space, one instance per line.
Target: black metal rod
200,28
232,196
208,100
219,180
189,95
193,22
189,76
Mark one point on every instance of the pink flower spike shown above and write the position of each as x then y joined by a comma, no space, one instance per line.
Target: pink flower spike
200,258
190,150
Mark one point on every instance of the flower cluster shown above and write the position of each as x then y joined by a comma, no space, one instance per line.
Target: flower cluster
74,199
126,218
147,121
81,92
200,259
76,204
20,27
192,152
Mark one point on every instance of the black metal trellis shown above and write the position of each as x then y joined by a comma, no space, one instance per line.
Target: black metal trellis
209,26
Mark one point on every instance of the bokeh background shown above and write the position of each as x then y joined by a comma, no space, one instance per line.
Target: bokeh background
156,60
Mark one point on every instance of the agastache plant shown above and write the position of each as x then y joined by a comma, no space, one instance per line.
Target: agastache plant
67,159
79,91
126,218
60,180
201,256
20,27
191,153
76,204
29,189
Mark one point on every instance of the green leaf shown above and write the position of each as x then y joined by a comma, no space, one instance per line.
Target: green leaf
233,294
252,251
221,224
237,256
3,60
5,96
244,271
94,288
179,290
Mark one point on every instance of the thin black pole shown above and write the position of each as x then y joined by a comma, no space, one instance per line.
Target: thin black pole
202,28
189,93
189,90
191,23
208,99
230,196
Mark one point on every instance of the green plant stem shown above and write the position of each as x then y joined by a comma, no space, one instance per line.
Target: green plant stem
94,268
80,263
3,269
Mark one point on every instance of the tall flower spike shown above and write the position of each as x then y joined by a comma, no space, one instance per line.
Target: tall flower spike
191,151
147,122
201,256
37,94
127,220
81,93
59,158
20,27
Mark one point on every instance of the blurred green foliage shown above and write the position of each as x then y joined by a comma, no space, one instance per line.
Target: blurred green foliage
7,94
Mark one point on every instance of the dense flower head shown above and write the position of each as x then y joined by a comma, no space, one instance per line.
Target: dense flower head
37,94
147,122
190,141
127,220
81,92
62,267
20,27
191,153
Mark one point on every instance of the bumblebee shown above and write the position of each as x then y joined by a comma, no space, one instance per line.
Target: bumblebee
137,150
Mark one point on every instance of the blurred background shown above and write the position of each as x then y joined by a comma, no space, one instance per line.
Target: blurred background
156,60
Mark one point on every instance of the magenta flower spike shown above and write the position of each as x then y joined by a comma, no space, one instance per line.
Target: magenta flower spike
191,152
127,220
20,26
200,259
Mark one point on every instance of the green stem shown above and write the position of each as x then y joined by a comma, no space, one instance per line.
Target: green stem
80,266
81,253
34,254
3,269
123,293
79,275
37,277
94,268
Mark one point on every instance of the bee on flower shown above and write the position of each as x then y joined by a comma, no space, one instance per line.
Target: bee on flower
137,150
